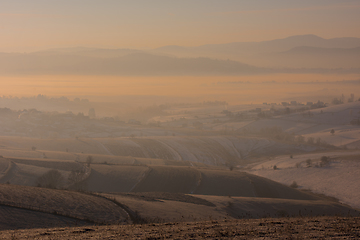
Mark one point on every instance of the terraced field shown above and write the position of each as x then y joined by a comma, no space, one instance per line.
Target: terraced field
176,178
166,178
211,150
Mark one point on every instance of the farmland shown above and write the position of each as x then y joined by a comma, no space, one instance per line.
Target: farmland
232,166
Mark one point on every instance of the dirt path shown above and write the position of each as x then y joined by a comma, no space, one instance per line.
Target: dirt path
10,172
103,147
144,176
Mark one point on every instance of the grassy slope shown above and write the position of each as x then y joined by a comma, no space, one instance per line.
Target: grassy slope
16,218
182,179
70,203
179,209
339,179
320,123
245,207
214,182
114,178
234,183
169,179
209,150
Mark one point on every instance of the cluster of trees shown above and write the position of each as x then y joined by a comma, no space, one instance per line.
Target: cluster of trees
324,161
277,133
51,179
54,178
341,100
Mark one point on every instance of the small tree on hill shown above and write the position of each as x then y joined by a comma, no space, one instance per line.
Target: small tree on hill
76,180
294,185
324,161
332,131
89,160
310,140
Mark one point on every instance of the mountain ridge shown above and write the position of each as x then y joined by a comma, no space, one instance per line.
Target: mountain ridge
237,58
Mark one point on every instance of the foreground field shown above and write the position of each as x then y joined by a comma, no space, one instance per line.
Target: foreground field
268,228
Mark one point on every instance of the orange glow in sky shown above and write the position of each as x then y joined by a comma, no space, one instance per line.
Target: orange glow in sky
38,24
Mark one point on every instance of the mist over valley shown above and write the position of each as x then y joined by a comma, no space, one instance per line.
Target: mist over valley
179,120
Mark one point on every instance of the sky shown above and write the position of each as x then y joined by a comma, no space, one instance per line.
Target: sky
27,26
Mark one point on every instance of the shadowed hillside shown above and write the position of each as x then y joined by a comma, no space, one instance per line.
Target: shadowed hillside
64,203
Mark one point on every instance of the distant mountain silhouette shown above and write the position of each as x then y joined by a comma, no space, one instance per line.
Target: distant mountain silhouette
291,54
262,53
131,64
323,51
89,52
308,57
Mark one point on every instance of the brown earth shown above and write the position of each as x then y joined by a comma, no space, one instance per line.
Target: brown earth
268,228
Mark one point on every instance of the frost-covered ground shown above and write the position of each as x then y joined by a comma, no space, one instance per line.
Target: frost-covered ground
340,178
318,123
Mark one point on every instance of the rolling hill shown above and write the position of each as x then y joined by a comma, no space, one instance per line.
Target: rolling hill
137,63
337,177
179,178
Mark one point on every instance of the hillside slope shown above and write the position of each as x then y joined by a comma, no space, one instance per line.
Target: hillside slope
318,123
338,177
65,203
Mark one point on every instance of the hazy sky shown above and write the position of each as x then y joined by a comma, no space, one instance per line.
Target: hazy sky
39,24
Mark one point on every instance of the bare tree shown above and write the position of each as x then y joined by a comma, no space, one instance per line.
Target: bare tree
294,185
89,160
310,140
76,180
308,162
324,161
51,179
